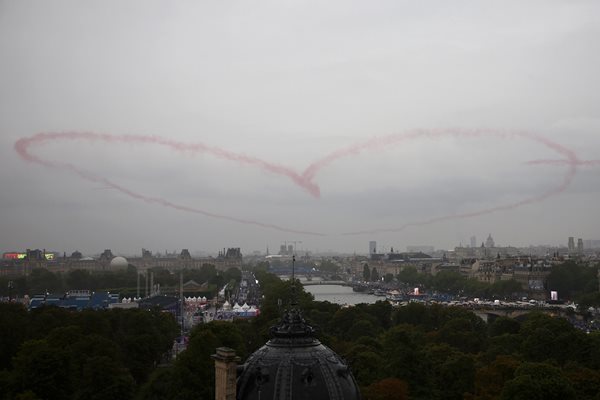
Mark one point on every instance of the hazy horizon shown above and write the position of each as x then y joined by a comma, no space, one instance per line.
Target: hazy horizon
207,125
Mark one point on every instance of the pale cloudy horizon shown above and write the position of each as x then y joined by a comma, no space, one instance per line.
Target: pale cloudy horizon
288,83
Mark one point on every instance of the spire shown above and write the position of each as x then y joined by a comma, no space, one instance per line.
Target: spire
292,325
294,302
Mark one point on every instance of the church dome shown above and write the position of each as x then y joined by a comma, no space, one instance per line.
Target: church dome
119,262
295,365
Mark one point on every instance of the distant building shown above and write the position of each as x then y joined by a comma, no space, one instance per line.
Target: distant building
15,264
489,242
185,254
420,249
580,245
106,255
571,244
372,247
473,241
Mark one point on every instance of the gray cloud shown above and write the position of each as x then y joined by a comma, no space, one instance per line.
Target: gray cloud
290,82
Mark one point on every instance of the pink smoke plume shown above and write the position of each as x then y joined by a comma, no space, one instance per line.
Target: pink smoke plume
22,148
305,180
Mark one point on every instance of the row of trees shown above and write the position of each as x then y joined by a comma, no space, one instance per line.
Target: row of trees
125,281
52,353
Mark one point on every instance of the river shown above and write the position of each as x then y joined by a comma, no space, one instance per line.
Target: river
340,294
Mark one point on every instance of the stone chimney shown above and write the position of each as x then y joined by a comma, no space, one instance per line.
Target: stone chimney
225,373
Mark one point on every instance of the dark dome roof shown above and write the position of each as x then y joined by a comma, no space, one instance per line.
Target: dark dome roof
295,365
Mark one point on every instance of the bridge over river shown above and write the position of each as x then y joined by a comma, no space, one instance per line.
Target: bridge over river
491,313
321,282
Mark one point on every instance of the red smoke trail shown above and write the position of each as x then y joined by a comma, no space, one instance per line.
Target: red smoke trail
22,145
377,143
305,180
22,148
571,160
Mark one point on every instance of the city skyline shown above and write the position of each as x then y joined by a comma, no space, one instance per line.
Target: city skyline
370,247
197,126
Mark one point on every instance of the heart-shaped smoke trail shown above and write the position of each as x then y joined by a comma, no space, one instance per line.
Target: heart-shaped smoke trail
305,180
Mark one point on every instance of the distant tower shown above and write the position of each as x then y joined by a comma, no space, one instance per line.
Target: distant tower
580,245
489,242
372,247
571,244
473,241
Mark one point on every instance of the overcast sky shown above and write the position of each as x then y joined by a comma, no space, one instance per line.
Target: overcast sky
286,84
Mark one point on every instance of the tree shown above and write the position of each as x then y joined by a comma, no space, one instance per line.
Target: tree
43,370
374,275
13,317
328,266
585,381
278,296
490,378
102,378
345,318
548,338
366,273
538,381
388,278
381,310
194,372
387,389
41,281
502,345
163,384
403,358
451,373
79,279
503,325
362,328
571,279
366,364
411,276
448,281
232,274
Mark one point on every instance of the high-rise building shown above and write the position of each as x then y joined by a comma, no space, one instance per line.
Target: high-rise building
372,247
580,245
571,244
473,241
